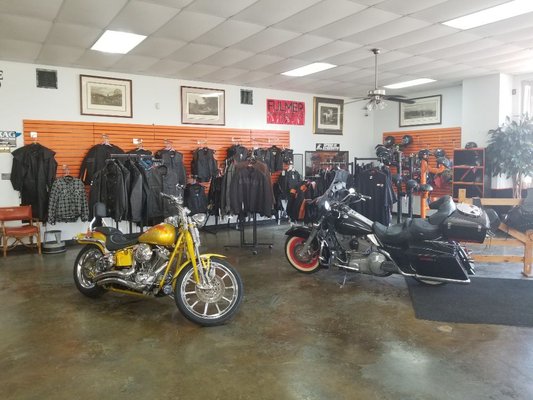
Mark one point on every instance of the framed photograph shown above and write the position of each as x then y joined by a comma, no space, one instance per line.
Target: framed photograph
109,97
424,111
202,106
327,116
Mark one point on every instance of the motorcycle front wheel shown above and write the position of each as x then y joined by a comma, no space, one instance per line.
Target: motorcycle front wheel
307,262
212,305
85,268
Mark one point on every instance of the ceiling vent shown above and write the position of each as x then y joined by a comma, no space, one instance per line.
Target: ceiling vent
46,78
247,97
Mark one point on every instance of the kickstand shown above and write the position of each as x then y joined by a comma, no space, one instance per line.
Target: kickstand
344,279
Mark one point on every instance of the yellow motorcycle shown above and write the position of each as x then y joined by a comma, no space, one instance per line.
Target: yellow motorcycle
163,261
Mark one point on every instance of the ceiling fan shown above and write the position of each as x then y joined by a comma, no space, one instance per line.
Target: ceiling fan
376,97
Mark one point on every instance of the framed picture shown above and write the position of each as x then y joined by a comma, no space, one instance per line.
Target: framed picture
105,96
327,116
424,111
202,106
316,161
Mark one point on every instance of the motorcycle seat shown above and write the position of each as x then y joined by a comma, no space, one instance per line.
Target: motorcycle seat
107,230
117,241
421,229
444,206
394,234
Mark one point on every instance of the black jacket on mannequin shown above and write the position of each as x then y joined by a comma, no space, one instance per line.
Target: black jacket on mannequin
33,172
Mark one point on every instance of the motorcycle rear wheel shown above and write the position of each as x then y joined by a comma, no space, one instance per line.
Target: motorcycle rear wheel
212,306
306,263
85,269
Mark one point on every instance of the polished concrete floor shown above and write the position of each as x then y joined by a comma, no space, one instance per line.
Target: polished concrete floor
296,337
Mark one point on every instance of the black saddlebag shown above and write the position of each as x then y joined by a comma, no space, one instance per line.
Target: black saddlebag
437,260
466,228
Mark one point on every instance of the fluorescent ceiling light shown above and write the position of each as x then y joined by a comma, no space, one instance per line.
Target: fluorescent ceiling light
117,42
414,82
309,69
493,14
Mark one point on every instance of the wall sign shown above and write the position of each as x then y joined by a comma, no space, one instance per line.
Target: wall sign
8,138
328,147
286,112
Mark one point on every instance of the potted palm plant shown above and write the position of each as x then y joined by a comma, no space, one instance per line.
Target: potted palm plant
510,151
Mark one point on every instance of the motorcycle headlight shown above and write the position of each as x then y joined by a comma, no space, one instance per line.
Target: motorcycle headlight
199,218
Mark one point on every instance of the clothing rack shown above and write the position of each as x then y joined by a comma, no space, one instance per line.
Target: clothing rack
254,243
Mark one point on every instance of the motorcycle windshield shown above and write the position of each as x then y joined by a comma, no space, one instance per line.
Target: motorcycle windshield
337,189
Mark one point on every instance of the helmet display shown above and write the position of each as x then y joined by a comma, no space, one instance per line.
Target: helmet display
424,153
471,145
396,178
444,161
407,140
382,151
439,153
447,176
426,188
389,141
411,184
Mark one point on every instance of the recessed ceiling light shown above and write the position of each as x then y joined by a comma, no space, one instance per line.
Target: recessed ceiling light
309,69
117,42
414,82
493,14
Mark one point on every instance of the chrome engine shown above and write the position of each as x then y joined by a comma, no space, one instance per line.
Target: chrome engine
148,264
358,254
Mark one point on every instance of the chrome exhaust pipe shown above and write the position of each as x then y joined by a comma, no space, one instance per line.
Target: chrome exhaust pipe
114,274
117,281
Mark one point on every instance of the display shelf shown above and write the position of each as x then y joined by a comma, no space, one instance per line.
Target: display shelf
469,172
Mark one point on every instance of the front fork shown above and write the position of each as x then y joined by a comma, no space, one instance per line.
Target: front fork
311,236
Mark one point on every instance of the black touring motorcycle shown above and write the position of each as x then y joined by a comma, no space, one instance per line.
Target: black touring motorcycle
425,249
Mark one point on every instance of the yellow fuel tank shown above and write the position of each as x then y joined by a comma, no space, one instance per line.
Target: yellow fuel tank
162,234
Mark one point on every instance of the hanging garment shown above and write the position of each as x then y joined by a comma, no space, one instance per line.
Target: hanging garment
68,201
237,152
108,187
203,165
274,159
175,173
289,179
378,185
95,160
287,156
195,198
32,173
214,196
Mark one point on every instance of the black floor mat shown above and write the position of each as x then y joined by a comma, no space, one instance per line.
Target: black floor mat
483,301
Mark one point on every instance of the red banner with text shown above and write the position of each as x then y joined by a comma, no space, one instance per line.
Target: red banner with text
285,112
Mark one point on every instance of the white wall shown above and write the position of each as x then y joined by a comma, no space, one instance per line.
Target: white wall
20,99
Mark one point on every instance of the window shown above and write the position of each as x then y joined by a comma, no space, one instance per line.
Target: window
527,99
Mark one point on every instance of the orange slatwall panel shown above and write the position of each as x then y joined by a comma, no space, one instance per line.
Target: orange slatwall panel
72,140
444,138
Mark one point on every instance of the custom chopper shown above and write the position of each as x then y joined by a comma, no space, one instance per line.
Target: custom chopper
163,261
424,249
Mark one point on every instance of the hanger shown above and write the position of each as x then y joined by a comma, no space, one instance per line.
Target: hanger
168,145
140,145
66,170
105,140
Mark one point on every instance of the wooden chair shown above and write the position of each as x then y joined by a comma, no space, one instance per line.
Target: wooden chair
30,227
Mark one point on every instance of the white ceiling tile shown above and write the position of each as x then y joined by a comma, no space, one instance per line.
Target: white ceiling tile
298,45
454,9
387,30
494,51
404,62
407,7
464,48
196,71
223,9
368,2
413,37
426,68
166,68
350,57
229,32
142,18
257,61
283,66
441,43
269,12
193,52
505,26
23,28
73,35
224,74
226,57
275,79
57,55
265,40
188,26
321,14
18,50
358,22
384,58
97,13
328,50
157,47
334,72
251,76
39,9
134,63
518,35
98,59
170,3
